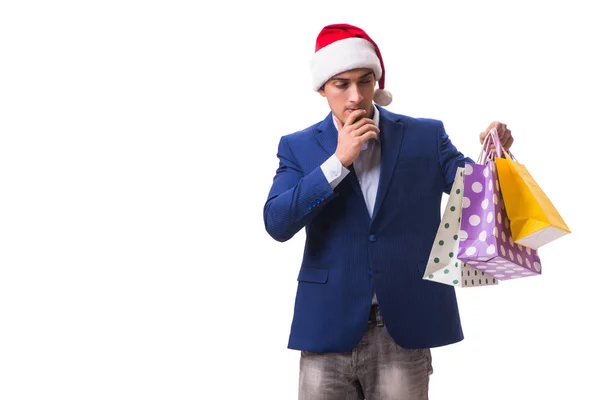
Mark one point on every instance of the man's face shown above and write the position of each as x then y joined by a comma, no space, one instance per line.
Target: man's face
349,91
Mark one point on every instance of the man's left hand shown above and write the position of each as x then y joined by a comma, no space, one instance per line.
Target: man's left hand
504,134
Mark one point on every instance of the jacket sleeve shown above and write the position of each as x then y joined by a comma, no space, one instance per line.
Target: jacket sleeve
450,158
295,198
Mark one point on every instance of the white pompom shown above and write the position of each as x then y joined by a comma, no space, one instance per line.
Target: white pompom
382,97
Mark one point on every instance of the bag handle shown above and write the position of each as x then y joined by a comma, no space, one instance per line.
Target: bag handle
485,148
500,150
485,154
493,134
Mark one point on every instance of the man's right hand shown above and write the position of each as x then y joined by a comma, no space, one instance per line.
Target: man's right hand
352,135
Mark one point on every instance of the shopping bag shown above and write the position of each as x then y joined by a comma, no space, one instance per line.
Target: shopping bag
485,241
534,221
443,265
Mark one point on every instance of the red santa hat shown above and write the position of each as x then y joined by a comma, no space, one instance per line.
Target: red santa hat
343,47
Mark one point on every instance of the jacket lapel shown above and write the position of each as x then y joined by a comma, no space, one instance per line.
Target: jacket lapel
391,135
327,135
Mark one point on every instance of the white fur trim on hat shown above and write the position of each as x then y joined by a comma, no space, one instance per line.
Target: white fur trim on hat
341,56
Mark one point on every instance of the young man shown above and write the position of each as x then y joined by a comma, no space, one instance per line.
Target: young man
366,185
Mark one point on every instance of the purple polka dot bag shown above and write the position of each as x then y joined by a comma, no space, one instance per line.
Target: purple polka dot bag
485,241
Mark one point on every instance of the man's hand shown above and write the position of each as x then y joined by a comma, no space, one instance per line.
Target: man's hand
504,134
352,135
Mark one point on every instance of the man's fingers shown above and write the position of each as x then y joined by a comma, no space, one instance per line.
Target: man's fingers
492,126
365,128
505,137
362,122
504,134
501,129
354,116
508,143
359,127
367,135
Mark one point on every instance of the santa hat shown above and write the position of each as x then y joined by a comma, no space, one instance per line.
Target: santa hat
343,47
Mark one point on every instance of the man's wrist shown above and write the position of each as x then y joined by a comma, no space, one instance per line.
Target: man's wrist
344,163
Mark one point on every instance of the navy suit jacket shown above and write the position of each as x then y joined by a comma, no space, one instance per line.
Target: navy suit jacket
348,254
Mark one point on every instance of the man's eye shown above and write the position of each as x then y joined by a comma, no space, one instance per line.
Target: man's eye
342,86
365,82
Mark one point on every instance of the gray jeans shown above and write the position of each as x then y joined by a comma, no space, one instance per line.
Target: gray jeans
376,369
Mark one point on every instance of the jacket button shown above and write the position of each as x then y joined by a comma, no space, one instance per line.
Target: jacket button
370,272
372,238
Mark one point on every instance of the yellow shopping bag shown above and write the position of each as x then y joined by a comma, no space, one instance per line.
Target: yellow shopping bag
534,221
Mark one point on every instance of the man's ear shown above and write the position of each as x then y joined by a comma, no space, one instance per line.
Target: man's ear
322,91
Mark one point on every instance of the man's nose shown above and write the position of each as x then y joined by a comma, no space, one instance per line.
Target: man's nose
355,94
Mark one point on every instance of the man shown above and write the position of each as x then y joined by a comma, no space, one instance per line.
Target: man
366,185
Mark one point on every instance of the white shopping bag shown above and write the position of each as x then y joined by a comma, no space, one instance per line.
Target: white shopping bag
443,266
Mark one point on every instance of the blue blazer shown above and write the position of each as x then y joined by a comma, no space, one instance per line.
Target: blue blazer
348,254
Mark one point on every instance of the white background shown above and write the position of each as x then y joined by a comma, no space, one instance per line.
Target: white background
138,144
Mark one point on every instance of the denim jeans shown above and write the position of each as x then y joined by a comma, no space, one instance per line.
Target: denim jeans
376,369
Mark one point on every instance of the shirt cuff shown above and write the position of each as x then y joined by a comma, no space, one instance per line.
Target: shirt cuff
334,171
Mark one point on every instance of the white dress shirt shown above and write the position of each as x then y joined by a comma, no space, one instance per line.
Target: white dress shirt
366,166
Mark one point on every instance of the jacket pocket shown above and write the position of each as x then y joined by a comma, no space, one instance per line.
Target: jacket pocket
314,275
